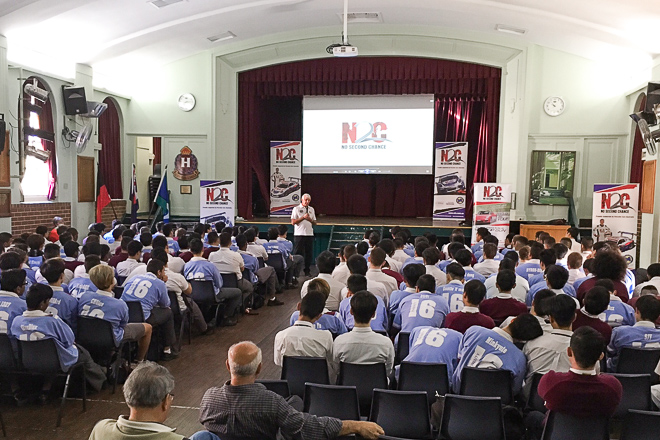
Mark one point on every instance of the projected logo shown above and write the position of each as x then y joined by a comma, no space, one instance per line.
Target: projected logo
361,132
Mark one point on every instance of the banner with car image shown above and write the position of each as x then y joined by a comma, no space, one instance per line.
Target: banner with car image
217,202
285,169
614,217
449,183
492,209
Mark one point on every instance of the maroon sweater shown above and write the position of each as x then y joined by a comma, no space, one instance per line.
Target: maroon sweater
499,308
601,327
580,395
621,290
114,261
461,321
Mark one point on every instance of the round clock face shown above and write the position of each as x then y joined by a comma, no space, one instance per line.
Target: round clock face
186,102
554,106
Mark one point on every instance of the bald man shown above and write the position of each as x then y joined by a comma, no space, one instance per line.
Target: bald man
303,219
258,413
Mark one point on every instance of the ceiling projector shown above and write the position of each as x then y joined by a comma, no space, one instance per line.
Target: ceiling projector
345,51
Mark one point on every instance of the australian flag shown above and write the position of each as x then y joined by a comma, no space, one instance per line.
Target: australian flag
135,204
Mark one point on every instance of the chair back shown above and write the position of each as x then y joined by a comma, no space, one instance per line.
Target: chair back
118,291
121,280
534,401
641,425
638,360
297,370
487,383
636,394
135,312
275,260
261,261
566,427
469,417
39,356
278,386
402,347
96,336
203,291
401,413
336,401
174,303
418,376
365,377
7,357
229,280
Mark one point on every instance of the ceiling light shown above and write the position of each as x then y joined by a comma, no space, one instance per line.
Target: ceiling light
362,17
163,3
222,37
510,29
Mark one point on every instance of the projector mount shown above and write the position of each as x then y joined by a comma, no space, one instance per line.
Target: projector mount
343,49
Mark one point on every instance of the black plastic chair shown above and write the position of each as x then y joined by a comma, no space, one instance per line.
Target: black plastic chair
636,394
203,293
118,291
638,360
418,376
402,347
336,401
402,413
534,401
566,427
262,262
365,377
135,312
181,318
41,358
278,386
470,417
487,383
641,425
298,370
275,261
121,280
229,280
97,336
8,362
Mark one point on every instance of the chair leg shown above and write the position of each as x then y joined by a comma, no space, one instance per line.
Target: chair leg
115,373
64,394
84,388
190,321
2,423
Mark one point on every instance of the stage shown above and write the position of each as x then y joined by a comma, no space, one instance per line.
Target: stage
426,223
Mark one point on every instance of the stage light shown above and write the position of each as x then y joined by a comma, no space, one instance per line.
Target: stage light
41,134
35,91
39,154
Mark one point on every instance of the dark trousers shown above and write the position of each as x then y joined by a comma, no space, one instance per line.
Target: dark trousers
304,245
162,317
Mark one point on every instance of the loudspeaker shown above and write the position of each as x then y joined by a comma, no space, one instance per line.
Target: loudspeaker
75,101
3,131
652,96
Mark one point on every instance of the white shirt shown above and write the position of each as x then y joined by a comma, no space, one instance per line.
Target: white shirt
302,339
546,327
125,268
364,346
177,284
487,267
519,292
400,256
80,271
257,250
438,274
374,287
548,352
395,265
175,264
332,303
305,227
228,261
655,282
574,274
388,281
68,276
341,273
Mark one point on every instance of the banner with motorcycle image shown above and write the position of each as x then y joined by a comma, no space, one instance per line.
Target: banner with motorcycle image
492,210
285,169
449,184
614,216
217,202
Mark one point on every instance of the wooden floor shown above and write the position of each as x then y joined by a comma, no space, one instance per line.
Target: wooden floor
200,366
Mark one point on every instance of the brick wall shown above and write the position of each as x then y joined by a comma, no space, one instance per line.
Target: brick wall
25,217
108,215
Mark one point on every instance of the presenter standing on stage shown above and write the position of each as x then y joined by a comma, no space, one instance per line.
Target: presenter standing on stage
303,219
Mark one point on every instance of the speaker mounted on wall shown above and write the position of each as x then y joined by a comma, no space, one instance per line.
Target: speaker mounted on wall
3,129
75,100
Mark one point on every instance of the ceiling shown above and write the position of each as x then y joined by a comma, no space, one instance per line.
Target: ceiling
127,35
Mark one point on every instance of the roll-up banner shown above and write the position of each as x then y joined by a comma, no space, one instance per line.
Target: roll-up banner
492,209
449,184
285,169
614,216
217,202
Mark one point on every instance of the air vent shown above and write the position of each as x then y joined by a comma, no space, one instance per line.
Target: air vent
222,37
163,3
362,17
510,29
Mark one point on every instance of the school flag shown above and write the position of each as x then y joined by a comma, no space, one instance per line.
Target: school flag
614,216
449,187
135,204
285,187
163,198
102,197
492,209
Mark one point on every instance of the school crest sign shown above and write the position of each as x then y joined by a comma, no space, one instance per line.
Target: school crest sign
186,165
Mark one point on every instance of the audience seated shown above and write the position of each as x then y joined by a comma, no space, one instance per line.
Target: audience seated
607,264
329,320
489,265
431,257
453,290
423,308
358,265
473,294
12,282
503,304
358,283
596,302
376,261
325,262
228,261
533,266
61,303
341,272
80,285
434,346
653,272
617,312
411,274
519,291
126,267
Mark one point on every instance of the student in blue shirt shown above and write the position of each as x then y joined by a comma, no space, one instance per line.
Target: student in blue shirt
11,303
481,233
357,283
533,266
556,279
641,335
424,308
61,303
35,256
420,247
102,304
35,324
452,248
547,258
172,245
411,274
330,321
617,313
495,349
434,346
464,258
453,290
150,290
81,285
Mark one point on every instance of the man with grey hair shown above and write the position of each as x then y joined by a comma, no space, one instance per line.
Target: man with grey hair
243,408
148,392
303,219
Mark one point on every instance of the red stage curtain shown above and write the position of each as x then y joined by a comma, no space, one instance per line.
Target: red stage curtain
110,156
156,151
636,163
270,109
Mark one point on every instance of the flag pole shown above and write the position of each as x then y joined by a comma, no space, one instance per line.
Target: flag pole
153,202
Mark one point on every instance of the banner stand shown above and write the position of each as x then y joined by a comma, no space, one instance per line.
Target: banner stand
492,210
449,187
216,202
614,217
285,180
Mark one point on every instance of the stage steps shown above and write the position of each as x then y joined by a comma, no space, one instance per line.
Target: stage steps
341,235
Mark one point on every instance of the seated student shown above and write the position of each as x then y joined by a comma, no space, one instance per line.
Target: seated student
387,245
574,263
495,349
51,250
489,265
16,258
298,261
464,258
331,321
411,274
617,312
399,254
358,283
610,265
134,250
653,272
175,264
200,269
259,276
452,248
78,286
36,324
150,290
547,258
481,233
587,247
172,244
640,335
533,266
431,257
376,261
101,303
358,265
503,304
519,291
453,290
555,279
418,258
61,303
72,251
423,308
508,243
596,302
146,239
123,251
252,247
274,247
325,262
228,261
362,345
12,282
341,272
548,352
36,244
184,248
473,294
434,346
213,243
561,251
115,237
587,268
302,339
